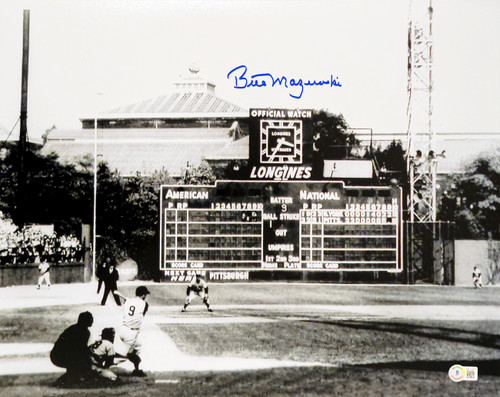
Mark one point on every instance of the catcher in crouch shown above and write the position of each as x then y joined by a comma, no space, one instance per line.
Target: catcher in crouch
199,287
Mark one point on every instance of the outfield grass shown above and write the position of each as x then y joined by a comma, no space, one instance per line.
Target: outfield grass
332,342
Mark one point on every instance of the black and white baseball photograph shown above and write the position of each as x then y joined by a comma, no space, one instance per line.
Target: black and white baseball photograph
249,198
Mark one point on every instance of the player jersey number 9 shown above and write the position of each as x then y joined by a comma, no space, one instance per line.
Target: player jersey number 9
133,312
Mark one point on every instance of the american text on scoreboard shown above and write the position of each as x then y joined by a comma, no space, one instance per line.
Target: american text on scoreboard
276,225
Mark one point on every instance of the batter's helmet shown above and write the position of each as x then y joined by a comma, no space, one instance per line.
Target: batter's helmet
142,290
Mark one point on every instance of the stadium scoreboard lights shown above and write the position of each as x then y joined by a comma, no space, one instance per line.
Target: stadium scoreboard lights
284,212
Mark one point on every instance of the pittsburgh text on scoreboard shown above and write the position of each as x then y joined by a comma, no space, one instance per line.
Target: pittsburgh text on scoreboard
270,225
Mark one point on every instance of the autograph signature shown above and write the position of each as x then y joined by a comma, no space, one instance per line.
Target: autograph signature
266,79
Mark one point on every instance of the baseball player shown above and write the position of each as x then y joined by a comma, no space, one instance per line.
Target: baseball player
134,310
199,287
44,269
476,278
102,354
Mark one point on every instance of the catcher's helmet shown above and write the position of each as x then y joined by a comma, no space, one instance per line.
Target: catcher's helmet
142,290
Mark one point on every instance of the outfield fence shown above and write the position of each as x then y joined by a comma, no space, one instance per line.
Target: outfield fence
63,273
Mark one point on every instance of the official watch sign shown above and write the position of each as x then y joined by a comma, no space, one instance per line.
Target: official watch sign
280,144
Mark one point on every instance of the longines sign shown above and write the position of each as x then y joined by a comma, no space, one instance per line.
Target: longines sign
281,144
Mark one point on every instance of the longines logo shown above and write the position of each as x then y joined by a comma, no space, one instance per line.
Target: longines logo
281,141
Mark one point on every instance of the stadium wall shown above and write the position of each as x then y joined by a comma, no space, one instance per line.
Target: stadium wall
485,254
65,273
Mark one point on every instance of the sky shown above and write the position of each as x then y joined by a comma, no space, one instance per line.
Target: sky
89,56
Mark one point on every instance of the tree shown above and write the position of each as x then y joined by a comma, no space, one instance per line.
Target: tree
392,158
111,221
60,194
57,193
142,210
201,175
473,200
335,142
392,163
127,217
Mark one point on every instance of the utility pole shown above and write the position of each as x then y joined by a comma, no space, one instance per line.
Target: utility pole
23,132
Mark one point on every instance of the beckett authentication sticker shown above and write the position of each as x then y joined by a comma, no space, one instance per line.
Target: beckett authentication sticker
458,373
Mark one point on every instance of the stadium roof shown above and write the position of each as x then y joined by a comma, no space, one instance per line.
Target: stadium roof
192,97
232,150
131,150
140,150
117,134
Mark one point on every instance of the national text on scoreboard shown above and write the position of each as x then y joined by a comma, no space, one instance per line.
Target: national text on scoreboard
247,226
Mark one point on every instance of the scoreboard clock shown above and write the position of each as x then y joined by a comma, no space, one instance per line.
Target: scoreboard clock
281,141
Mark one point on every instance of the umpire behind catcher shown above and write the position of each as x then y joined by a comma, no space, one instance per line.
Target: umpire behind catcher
71,350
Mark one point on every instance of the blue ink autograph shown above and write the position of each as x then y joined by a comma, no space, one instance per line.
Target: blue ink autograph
266,79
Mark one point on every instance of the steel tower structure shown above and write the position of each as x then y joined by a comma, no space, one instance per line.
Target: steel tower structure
421,162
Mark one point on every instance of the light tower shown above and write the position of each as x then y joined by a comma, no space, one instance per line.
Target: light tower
421,158
430,244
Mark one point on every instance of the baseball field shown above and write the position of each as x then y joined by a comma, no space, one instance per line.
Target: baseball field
267,340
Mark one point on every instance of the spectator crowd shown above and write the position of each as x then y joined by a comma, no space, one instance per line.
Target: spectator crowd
31,245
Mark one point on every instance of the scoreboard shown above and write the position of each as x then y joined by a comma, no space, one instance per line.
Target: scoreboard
246,226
